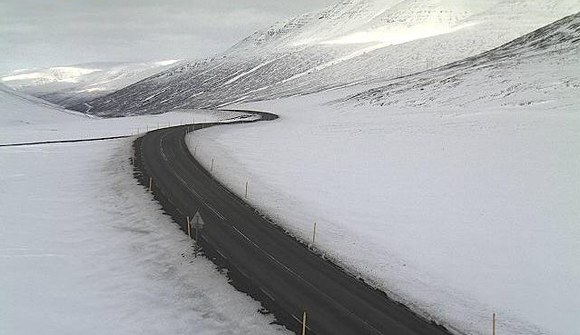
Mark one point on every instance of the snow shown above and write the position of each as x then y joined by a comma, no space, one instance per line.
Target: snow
168,62
352,41
67,85
84,249
17,109
455,190
54,74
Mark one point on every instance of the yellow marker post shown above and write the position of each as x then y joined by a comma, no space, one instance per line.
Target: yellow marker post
304,323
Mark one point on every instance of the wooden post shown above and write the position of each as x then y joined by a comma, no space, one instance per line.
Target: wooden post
246,189
304,323
493,323
188,227
212,165
150,184
196,238
314,234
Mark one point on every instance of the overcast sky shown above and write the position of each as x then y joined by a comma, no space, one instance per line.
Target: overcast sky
40,33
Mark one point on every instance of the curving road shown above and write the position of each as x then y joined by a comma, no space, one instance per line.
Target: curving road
262,260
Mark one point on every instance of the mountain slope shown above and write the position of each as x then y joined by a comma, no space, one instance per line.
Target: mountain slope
18,108
538,68
347,43
71,85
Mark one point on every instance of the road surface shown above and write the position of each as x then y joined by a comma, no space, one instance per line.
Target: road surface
261,259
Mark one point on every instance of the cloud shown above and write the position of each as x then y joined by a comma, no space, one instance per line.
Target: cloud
39,33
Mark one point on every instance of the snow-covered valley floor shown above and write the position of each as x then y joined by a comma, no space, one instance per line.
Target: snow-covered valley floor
84,249
456,214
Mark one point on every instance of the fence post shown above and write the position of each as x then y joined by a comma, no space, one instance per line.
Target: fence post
314,234
196,238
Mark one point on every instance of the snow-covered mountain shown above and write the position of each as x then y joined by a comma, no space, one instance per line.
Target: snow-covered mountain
71,85
538,68
351,42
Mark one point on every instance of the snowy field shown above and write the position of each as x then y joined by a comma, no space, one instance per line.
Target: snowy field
84,249
455,190
458,216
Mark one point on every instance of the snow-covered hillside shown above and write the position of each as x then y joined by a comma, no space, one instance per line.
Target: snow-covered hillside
18,108
353,41
455,190
71,85
539,68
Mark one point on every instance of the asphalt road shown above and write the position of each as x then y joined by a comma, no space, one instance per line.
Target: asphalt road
261,259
